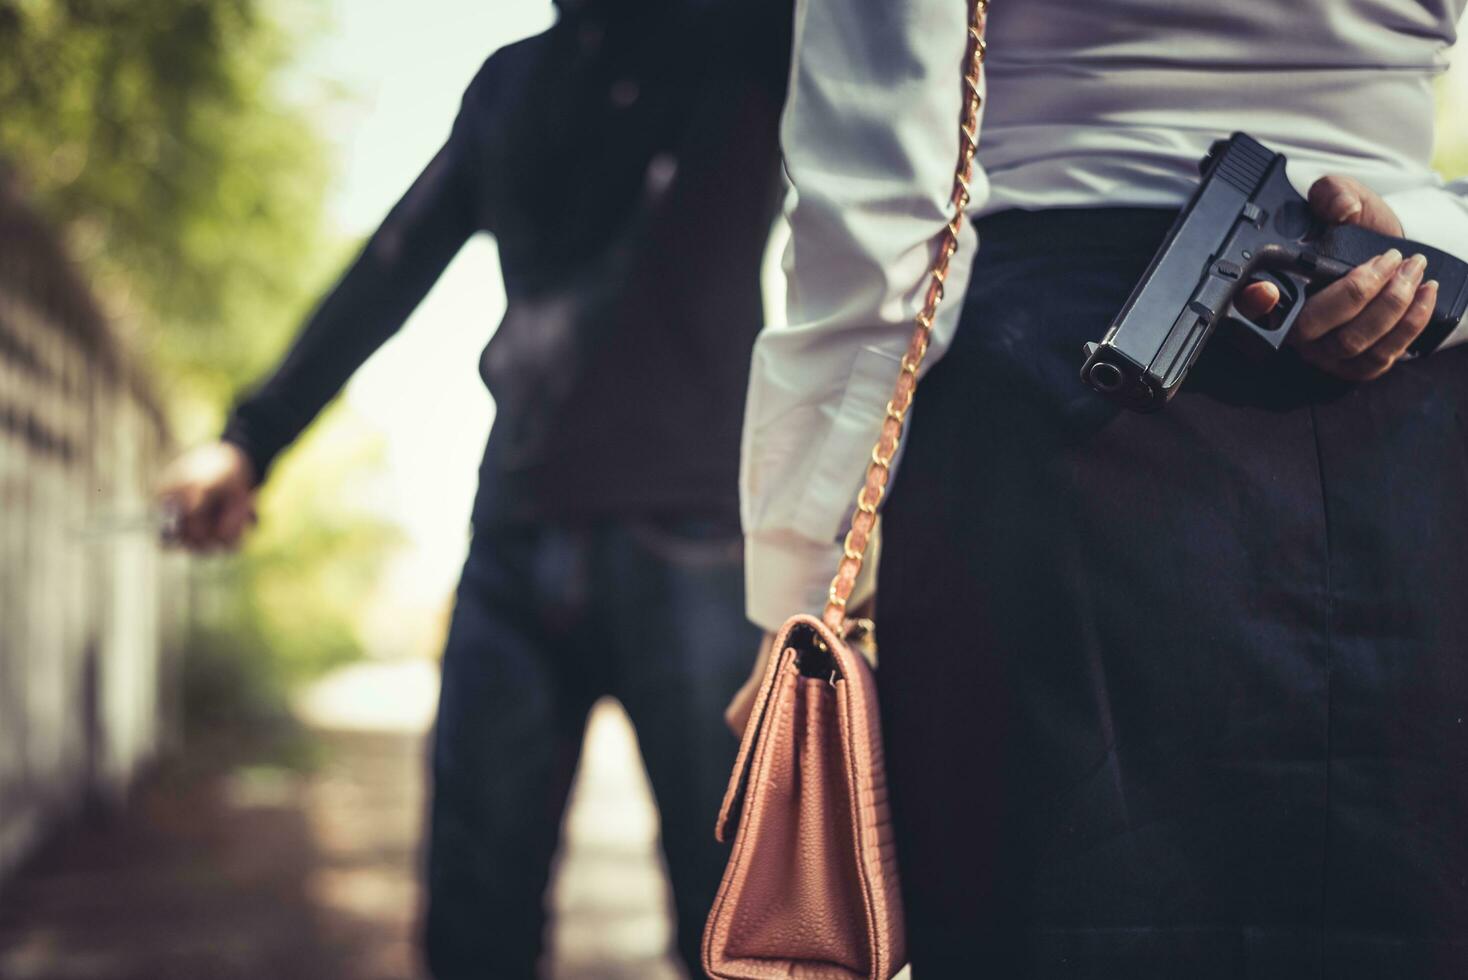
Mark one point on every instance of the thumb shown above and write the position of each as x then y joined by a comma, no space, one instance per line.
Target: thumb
1343,200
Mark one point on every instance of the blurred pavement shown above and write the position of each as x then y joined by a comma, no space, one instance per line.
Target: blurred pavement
269,873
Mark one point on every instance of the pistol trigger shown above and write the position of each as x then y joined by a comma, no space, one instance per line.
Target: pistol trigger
1277,325
1297,292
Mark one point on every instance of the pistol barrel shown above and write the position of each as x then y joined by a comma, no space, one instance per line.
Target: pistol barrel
1173,309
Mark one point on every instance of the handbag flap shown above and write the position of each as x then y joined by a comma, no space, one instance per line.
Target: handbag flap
781,654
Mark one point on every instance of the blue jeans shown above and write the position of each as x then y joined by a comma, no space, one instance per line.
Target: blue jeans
548,620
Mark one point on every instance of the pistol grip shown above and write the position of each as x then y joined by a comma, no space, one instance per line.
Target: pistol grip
1352,245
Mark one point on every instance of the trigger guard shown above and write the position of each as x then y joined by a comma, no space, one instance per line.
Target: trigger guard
1293,292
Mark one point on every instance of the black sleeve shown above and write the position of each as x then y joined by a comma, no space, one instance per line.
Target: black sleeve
383,285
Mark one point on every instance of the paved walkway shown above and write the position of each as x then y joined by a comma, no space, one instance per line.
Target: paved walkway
264,874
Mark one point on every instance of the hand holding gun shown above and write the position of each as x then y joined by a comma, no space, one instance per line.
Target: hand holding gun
1248,242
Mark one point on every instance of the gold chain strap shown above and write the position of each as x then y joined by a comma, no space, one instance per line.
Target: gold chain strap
869,497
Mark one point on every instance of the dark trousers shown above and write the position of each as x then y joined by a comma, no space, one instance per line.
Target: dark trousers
1179,696
549,619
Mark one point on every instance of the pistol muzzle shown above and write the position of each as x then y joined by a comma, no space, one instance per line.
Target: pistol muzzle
1116,376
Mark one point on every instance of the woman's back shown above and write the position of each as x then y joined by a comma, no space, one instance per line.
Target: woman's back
1168,695
1113,103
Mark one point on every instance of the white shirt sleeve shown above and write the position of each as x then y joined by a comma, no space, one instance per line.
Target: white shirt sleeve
1437,216
870,137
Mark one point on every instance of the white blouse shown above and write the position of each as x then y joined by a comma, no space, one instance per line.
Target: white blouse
1110,102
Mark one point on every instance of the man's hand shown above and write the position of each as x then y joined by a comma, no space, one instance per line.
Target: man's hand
736,715
1359,326
211,490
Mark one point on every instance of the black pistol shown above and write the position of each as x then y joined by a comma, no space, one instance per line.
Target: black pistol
1244,223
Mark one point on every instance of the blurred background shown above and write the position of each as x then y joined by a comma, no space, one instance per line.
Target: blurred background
213,767
179,179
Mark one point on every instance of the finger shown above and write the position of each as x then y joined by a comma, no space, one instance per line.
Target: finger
1316,357
1344,200
1410,327
1385,353
233,521
1381,315
738,712
736,715
186,501
199,520
1362,368
1344,299
1366,367
1257,299
741,706
1336,199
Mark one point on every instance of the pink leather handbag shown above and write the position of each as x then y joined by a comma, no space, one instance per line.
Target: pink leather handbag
811,889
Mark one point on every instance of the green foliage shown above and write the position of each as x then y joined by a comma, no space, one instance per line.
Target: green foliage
155,133
159,136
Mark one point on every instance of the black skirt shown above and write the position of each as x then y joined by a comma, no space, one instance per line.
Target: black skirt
1181,695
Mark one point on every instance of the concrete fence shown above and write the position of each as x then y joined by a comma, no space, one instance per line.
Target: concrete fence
91,612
